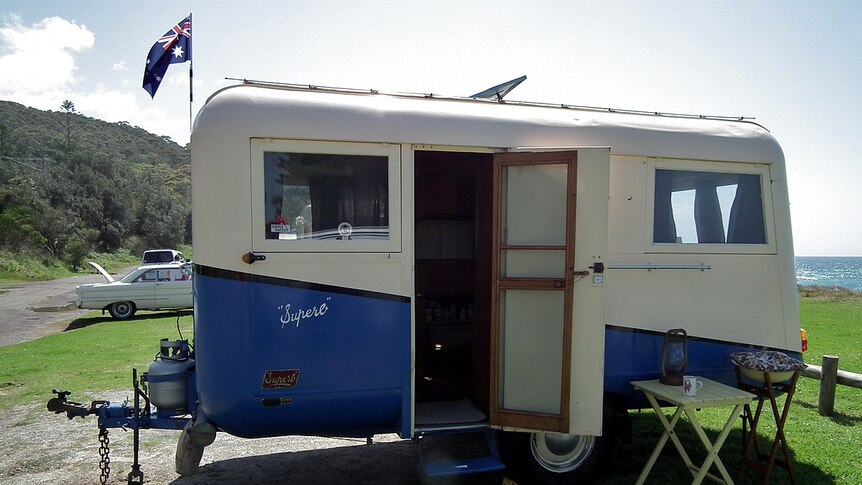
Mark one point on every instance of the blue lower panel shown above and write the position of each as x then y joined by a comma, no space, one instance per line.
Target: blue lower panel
357,413
464,466
634,355
276,357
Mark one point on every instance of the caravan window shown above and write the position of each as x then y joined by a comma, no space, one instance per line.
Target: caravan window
698,207
319,196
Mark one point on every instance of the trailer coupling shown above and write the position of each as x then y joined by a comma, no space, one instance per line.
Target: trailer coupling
73,409
140,414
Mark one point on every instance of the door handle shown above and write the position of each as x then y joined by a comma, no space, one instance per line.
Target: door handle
250,257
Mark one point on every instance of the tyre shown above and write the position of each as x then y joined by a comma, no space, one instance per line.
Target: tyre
556,458
122,309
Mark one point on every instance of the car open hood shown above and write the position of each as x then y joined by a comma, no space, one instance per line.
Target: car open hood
102,271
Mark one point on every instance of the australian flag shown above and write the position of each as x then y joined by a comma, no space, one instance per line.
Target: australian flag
175,47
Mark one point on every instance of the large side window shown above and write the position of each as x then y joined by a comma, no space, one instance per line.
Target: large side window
325,196
698,207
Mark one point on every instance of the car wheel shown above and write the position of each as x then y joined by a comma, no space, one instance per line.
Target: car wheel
122,310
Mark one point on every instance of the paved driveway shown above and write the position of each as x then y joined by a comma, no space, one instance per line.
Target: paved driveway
32,310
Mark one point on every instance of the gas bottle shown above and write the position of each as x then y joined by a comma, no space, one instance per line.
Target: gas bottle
167,376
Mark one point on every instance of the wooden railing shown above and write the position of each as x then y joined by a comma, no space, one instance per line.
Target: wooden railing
829,377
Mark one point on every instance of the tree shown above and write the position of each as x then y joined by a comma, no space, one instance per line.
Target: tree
127,186
18,231
68,107
161,219
5,141
79,246
57,226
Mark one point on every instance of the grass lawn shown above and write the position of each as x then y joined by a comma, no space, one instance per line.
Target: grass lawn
21,267
825,449
25,267
97,354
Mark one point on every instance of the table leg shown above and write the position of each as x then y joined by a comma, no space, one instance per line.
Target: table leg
713,448
668,433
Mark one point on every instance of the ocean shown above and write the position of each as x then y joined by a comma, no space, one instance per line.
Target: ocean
830,271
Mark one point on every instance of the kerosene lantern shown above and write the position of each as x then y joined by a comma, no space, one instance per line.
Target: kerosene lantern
674,357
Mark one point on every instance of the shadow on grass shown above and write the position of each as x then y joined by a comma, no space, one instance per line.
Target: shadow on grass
106,318
397,463
837,416
630,458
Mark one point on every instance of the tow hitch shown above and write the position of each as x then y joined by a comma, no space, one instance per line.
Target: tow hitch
60,404
168,412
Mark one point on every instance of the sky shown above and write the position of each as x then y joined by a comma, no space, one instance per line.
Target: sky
796,67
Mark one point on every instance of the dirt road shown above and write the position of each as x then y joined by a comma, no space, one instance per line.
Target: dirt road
32,310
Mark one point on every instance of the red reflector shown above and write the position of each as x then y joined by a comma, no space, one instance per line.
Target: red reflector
804,336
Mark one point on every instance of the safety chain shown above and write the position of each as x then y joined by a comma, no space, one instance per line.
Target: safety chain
104,457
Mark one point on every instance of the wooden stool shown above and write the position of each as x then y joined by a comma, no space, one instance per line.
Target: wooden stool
763,463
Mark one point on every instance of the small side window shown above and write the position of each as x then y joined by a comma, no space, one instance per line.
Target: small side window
320,196
325,196
693,207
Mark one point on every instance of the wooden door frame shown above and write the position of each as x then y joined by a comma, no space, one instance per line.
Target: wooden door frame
523,419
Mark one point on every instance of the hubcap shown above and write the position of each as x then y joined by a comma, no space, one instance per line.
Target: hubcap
122,308
561,453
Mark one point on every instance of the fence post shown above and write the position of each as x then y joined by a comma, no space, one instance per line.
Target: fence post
828,380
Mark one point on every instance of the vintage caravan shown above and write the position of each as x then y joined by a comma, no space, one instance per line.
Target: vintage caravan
374,263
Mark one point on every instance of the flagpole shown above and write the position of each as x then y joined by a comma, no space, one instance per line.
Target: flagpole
191,77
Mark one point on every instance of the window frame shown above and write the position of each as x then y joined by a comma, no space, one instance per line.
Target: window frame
259,241
761,169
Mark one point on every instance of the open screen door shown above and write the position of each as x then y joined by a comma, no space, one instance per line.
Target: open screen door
547,338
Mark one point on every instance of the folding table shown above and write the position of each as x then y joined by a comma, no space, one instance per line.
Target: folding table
712,394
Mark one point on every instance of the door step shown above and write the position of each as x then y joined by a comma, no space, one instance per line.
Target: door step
445,453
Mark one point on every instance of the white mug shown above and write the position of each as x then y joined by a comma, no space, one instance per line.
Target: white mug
690,385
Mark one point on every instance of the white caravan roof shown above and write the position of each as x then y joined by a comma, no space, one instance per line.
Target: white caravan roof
303,112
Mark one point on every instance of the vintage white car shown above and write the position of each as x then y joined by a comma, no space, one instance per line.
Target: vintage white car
152,287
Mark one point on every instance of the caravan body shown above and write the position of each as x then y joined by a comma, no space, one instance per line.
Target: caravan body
365,260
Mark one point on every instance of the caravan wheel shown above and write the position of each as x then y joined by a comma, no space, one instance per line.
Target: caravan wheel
554,458
561,453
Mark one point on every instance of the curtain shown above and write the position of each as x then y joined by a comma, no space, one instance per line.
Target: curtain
746,213
274,175
359,197
664,228
707,212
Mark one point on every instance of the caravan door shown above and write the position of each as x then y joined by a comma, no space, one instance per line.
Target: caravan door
549,246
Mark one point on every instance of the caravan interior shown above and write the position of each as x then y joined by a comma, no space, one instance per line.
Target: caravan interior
453,286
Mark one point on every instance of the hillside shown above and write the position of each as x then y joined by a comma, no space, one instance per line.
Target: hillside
46,130
71,184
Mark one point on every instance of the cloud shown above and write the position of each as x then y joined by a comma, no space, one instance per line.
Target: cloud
112,105
38,59
37,69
